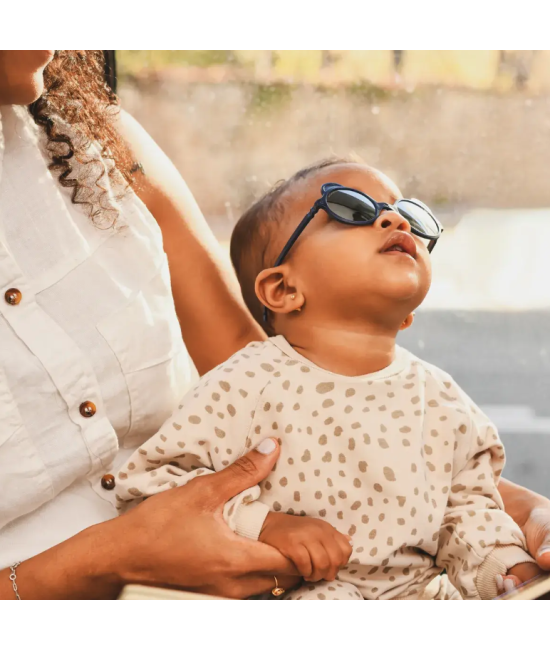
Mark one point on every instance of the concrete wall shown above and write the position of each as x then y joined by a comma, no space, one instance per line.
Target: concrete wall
449,147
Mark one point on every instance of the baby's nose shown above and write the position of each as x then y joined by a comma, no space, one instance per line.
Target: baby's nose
390,218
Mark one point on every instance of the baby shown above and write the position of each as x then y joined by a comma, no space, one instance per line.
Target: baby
379,444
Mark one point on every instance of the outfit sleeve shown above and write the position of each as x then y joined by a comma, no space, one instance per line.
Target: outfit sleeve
478,540
209,430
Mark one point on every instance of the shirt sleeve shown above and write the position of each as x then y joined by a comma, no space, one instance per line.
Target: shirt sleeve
208,431
478,540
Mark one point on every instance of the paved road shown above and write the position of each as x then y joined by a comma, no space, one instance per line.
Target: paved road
502,360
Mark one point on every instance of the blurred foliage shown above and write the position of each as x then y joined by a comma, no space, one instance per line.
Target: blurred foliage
367,91
267,97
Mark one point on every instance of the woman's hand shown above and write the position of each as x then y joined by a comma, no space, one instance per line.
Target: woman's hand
537,533
315,547
177,538
531,512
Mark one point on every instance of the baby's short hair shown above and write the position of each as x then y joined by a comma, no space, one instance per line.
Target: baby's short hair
253,231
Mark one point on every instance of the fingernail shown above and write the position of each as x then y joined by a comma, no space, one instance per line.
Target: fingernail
509,585
500,583
267,446
543,551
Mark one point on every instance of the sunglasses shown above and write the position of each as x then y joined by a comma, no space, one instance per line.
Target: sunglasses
356,208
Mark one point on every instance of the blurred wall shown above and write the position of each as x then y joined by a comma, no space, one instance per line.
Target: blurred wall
232,140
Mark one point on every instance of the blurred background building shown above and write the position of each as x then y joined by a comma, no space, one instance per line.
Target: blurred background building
479,69
468,132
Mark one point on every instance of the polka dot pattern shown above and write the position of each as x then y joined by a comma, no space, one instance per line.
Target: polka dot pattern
402,463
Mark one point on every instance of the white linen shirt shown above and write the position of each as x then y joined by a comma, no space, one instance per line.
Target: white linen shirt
86,316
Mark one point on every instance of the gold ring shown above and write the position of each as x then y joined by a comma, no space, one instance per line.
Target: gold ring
277,591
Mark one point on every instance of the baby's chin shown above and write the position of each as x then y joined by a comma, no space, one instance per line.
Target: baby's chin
408,289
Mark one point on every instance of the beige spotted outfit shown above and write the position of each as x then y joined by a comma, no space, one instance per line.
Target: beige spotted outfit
401,460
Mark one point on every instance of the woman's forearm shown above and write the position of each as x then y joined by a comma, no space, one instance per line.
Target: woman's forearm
83,567
214,320
519,501
194,550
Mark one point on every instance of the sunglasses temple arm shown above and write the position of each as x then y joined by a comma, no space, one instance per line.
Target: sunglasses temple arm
299,230
290,243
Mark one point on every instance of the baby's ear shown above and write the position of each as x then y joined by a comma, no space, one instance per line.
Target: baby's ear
407,322
274,292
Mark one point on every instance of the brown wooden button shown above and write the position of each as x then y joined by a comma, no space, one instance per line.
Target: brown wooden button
13,296
108,482
87,409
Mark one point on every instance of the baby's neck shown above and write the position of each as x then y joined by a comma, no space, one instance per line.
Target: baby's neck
344,351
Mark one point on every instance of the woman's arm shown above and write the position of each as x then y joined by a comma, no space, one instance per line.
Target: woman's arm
531,511
193,549
214,321
83,567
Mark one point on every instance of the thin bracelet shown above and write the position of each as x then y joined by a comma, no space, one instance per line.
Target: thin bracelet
13,577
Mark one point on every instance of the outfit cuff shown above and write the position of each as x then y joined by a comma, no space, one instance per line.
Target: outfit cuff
498,562
250,518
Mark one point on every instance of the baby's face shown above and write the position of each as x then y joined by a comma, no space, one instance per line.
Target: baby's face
345,269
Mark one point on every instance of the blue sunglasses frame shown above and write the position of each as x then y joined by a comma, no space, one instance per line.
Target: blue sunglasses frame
322,204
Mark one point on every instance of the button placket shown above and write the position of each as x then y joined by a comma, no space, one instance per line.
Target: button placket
74,379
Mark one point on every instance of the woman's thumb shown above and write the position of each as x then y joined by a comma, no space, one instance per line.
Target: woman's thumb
246,471
543,553
537,534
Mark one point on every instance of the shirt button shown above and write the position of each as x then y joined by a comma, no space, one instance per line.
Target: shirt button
108,482
13,296
87,409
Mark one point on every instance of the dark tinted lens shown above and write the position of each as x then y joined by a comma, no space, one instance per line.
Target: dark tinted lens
419,218
351,206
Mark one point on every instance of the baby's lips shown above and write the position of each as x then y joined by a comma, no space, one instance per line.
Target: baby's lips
403,239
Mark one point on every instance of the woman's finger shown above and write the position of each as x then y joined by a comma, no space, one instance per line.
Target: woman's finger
264,584
537,535
244,473
247,586
259,558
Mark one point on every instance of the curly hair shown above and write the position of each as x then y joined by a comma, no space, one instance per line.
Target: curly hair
78,113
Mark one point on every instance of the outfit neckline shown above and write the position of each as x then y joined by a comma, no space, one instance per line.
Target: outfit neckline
399,363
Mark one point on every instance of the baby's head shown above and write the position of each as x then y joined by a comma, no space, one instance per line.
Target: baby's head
335,274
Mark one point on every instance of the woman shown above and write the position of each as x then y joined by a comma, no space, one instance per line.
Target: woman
91,356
